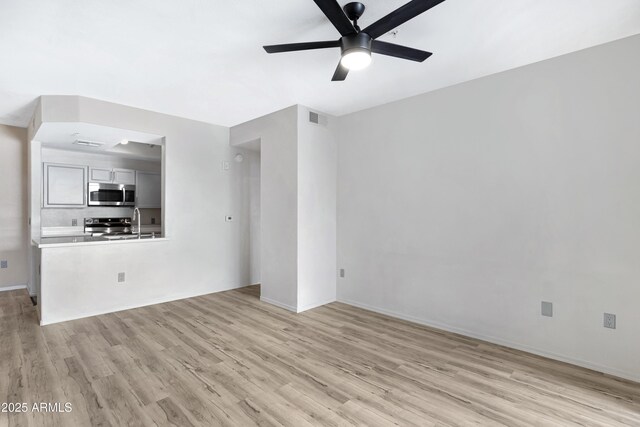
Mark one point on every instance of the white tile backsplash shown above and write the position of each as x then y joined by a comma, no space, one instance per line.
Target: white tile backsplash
58,217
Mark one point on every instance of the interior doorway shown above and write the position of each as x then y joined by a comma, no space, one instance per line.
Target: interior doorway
251,156
254,216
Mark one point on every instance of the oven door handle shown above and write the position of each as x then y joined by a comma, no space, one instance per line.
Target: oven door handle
124,196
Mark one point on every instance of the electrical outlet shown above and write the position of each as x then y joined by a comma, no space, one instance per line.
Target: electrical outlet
74,222
4,264
609,320
342,272
120,277
546,309
226,165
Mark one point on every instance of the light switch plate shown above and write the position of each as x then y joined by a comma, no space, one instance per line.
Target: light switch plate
120,277
547,309
4,264
342,272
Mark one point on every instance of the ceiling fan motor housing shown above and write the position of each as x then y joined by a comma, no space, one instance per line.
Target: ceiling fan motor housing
355,42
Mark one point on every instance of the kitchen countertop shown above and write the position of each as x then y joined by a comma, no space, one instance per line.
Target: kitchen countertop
79,230
56,241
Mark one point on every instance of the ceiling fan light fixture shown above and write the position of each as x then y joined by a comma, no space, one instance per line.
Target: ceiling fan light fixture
357,45
356,59
356,51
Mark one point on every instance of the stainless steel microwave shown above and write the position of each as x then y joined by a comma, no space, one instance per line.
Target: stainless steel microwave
102,194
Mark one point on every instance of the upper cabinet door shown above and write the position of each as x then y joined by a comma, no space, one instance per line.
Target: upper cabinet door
124,176
100,175
148,190
64,185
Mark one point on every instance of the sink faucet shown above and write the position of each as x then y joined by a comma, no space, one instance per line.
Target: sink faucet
137,211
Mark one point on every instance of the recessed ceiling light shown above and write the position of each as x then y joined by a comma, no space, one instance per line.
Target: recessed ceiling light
124,142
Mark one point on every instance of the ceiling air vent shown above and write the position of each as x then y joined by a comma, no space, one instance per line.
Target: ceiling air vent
314,117
88,143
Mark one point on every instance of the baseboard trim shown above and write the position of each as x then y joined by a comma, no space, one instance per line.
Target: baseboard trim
315,305
295,309
278,304
12,288
495,340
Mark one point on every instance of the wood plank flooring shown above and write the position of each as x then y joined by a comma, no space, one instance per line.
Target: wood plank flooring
229,359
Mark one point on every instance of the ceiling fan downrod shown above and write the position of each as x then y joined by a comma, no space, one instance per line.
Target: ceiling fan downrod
354,11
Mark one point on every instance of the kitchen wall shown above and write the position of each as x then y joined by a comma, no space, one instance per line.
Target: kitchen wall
62,217
13,207
57,217
202,252
466,207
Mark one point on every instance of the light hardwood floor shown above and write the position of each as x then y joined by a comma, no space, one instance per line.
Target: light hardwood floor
229,359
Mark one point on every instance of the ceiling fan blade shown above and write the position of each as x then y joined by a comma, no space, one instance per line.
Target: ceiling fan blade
399,16
334,13
398,51
291,47
340,73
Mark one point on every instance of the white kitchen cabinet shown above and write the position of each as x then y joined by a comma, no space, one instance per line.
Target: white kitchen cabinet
124,176
100,175
115,176
65,186
148,190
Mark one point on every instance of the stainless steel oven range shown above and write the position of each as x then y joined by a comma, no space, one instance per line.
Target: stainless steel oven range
107,226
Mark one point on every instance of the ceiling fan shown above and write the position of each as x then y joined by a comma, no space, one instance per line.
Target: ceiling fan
357,45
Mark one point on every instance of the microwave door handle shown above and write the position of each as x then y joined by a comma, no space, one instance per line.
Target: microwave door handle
124,196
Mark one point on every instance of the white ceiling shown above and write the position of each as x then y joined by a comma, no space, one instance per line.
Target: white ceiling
63,136
203,59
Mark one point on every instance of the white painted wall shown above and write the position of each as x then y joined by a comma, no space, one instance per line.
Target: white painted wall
253,158
317,174
203,253
278,133
466,207
13,207
298,206
34,203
